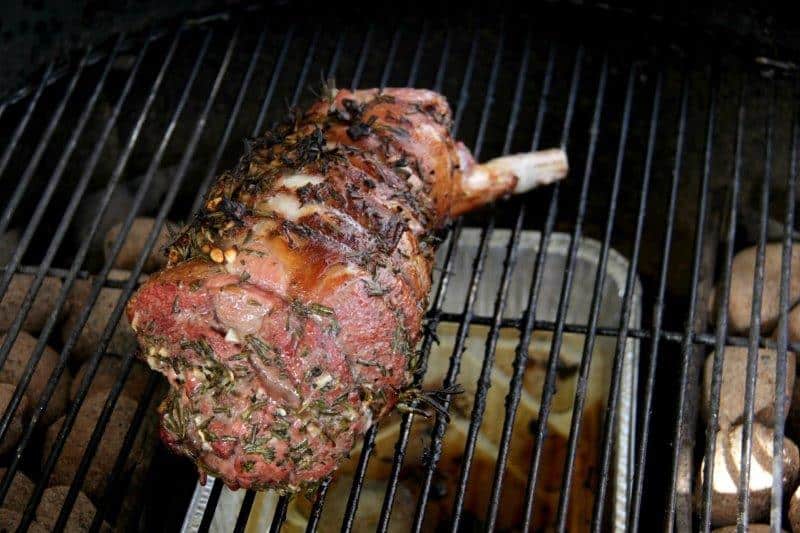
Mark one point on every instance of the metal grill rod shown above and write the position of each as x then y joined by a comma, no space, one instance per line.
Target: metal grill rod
22,185
434,450
428,333
142,408
511,256
423,38
704,339
245,84
276,73
392,54
521,352
280,514
722,319
92,364
232,116
12,144
780,360
337,53
658,312
244,511
548,389
55,74
686,345
211,506
36,157
316,509
362,58
512,251
755,329
355,489
216,490
298,90
116,314
369,438
14,330
55,243
588,345
50,387
622,338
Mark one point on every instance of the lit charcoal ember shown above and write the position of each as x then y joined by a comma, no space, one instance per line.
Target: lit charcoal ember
105,455
732,389
14,368
741,295
108,373
19,492
42,306
133,245
15,427
122,341
80,518
287,317
10,520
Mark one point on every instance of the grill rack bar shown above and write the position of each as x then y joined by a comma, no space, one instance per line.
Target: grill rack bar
686,346
521,351
38,350
69,277
23,123
658,311
214,497
588,346
36,158
780,361
369,438
111,324
508,267
655,334
743,518
405,424
634,260
548,389
114,394
28,236
722,316
704,339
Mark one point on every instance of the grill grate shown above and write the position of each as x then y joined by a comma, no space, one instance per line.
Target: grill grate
652,137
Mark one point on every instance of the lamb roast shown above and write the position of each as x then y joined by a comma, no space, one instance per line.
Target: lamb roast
287,317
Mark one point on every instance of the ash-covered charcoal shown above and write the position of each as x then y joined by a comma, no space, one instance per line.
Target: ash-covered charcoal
287,316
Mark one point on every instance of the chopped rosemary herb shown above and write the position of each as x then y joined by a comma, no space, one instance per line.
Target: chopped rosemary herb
247,413
374,288
280,429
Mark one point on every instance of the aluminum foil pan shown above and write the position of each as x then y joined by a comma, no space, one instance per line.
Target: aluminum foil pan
580,301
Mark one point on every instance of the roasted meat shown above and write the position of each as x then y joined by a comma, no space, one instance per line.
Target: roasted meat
287,317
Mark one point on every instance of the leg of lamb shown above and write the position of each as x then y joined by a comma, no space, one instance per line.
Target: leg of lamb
287,317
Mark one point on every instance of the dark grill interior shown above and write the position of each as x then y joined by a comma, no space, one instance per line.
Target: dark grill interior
682,148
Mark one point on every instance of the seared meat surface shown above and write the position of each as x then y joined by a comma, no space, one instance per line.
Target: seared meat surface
287,317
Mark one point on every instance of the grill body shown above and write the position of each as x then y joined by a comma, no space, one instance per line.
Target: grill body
682,149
